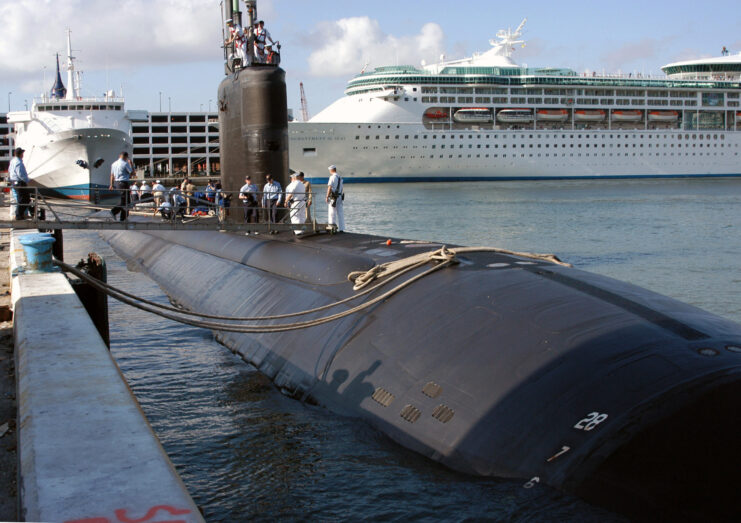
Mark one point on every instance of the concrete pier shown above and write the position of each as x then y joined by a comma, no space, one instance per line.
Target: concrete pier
87,453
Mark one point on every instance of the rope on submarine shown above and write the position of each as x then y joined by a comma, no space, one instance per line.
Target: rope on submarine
361,279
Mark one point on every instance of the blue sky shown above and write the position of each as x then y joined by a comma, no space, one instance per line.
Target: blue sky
172,46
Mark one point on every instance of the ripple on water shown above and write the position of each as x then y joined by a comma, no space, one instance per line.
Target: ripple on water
246,451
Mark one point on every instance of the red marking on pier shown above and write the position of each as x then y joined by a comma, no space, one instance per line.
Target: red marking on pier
121,516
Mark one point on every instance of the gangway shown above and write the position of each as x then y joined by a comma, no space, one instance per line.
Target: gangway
49,213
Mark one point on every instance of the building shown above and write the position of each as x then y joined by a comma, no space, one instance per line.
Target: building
6,144
177,144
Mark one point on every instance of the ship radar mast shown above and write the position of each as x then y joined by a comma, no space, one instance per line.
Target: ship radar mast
508,39
73,77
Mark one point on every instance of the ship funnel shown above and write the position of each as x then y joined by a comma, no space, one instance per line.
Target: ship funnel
58,91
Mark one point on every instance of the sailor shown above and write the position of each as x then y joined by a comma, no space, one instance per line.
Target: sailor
309,195
145,192
121,171
271,197
296,201
262,37
239,38
335,197
165,209
178,202
264,33
18,178
248,195
258,45
134,192
159,191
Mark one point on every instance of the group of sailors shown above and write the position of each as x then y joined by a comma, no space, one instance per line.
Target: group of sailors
298,198
256,37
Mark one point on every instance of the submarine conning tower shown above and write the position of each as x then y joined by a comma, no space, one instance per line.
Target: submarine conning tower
253,113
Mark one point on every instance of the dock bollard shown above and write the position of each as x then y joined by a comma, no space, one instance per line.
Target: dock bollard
37,248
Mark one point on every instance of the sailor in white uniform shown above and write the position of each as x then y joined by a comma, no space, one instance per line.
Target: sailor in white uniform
335,197
296,200
239,37
262,37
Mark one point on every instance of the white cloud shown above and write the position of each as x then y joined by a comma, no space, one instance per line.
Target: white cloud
345,45
106,33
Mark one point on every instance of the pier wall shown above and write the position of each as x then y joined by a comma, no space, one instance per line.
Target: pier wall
87,453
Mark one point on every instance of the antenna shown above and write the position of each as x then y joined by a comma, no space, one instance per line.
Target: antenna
304,105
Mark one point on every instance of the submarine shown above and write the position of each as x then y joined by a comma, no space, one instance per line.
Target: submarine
500,364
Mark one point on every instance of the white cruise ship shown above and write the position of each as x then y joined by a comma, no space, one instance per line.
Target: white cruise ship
486,118
71,141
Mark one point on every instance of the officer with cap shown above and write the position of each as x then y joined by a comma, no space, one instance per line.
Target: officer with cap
335,197
18,178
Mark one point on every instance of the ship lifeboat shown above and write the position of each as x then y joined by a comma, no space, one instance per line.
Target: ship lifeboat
473,115
663,116
515,115
553,115
437,114
589,115
627,116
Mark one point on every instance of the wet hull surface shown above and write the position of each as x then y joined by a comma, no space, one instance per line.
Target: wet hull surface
498,366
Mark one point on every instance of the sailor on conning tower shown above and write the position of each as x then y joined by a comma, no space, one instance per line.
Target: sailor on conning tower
239,38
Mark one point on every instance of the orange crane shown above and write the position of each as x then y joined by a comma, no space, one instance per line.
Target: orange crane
304,105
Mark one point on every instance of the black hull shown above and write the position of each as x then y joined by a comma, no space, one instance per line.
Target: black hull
499,366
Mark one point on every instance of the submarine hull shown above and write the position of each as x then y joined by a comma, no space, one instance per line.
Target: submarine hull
498,366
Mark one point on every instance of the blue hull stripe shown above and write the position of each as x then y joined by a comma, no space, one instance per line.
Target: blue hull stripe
407,179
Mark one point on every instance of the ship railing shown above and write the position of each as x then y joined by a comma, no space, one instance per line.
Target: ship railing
80,99
195,210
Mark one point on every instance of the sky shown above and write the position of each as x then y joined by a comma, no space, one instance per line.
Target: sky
166,53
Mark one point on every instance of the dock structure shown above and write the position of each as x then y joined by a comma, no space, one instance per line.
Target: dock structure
87,453
51,214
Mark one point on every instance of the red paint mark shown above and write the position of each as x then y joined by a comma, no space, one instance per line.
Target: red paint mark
121,514
123,518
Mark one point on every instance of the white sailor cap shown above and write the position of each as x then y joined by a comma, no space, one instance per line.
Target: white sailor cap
332,167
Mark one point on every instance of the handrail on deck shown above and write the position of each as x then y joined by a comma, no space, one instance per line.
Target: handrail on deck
186,211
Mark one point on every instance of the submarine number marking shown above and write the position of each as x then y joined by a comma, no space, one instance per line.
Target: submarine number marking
591,421
532,482
564,450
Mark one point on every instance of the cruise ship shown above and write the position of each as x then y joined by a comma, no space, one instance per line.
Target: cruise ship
486,118
71,141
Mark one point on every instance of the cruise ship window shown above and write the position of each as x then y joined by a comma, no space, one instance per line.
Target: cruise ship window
357,137
387,136
396,137
377,137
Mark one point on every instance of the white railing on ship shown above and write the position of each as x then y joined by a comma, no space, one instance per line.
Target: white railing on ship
79,100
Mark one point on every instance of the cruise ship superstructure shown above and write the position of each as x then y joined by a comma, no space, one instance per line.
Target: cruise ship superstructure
71,141
485,117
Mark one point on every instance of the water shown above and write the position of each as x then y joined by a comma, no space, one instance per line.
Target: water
246,451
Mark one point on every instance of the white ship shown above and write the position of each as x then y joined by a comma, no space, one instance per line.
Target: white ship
71,141
486,118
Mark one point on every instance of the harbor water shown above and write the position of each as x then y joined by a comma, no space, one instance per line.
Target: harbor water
246,451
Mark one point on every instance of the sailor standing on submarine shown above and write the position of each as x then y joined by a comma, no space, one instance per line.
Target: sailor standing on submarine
335,197
296,200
